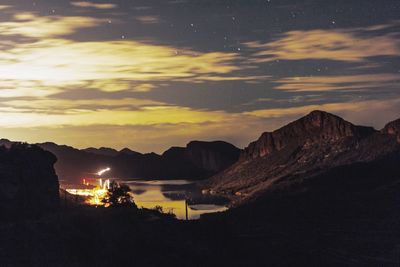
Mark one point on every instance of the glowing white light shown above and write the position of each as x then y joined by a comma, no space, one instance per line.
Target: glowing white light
103,171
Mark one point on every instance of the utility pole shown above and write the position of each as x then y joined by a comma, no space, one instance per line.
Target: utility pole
186,209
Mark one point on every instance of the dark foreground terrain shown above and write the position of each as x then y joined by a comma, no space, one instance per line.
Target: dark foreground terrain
356,224
318,192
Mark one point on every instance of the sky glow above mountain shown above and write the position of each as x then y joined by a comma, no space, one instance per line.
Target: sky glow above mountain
152,74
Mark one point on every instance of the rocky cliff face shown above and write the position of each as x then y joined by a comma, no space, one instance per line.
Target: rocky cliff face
28,182
318,125
393,128
212,156
201,158
299,151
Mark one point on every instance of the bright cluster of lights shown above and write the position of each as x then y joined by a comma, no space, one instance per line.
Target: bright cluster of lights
96,194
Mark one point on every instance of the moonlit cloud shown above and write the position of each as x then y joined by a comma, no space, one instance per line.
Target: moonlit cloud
28,24
148,19
339,82
54,62
87,4
2,7
339,44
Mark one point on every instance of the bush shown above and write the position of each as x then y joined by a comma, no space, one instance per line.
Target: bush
118,195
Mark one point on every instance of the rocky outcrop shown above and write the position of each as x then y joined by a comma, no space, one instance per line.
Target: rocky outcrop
300,150
200,159
28,182
393,128
318,125
212,156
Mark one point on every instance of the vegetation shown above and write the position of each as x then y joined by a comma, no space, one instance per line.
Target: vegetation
119,196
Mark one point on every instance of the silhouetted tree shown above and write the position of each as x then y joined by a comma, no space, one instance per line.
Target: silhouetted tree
119,196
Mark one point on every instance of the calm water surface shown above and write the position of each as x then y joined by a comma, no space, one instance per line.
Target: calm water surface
171,196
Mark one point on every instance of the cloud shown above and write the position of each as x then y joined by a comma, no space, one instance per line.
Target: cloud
339,82
86,4
148,19
2,7
30,114
27,24
48,62
60,62
349,45
43,63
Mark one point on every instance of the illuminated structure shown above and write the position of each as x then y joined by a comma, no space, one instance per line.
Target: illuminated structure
96,194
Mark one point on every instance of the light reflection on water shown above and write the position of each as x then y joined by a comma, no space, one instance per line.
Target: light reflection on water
171,195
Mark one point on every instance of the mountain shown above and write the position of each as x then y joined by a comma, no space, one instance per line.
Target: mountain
73,164
285,160
210,156
317,126
105,151
28,182
198,160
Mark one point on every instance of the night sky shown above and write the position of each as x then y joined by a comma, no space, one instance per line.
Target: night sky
153,74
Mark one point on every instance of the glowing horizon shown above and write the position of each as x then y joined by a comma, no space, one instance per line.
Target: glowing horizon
137,75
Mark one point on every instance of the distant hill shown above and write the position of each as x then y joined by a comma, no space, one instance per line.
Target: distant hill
105,151
288,159
198,160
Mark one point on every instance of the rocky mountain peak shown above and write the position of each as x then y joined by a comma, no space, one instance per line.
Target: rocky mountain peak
316,126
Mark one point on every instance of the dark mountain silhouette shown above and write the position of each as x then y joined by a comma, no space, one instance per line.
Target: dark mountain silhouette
28,182
74,164
105,151
288,158
198,160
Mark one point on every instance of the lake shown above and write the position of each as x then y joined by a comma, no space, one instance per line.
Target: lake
171,196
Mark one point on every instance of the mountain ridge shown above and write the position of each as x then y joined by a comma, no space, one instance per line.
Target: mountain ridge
317,124
294,153
198,160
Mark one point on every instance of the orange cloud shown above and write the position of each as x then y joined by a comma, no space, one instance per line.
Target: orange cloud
87,4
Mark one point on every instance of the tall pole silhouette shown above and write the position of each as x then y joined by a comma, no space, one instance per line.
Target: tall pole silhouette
186,209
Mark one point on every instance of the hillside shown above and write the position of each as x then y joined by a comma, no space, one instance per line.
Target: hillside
287,158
